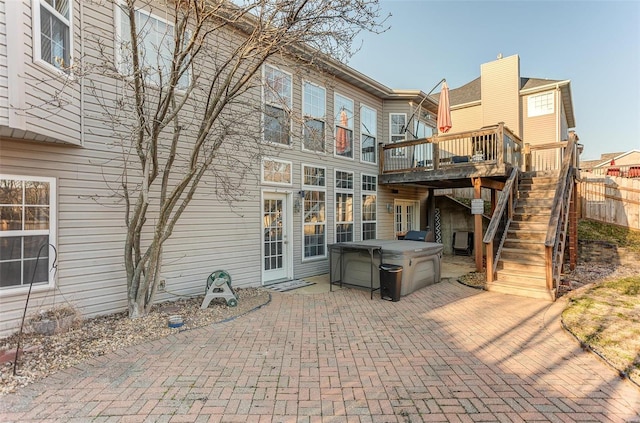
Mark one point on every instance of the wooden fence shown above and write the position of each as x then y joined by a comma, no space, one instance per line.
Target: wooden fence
610,199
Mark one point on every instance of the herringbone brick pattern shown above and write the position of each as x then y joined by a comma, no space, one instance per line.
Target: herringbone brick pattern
444,353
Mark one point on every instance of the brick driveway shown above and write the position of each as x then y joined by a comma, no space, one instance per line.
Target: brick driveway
444,353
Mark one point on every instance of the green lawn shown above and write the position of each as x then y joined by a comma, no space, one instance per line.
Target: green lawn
606,316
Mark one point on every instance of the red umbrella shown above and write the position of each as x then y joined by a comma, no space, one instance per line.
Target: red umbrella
444,113
341,136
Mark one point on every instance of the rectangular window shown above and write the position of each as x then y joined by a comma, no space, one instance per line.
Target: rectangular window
276,172
277,95
156,45
344,206
368,131
343,117
541,104
314,110
397,133
369,206
27,227
314,216
52,32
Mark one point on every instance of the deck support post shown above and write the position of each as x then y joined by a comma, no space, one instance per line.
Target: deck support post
431,215
477,231
573,228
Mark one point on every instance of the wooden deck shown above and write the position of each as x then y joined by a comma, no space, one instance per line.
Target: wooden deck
451,161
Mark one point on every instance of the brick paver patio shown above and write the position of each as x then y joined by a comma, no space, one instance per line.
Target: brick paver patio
444,353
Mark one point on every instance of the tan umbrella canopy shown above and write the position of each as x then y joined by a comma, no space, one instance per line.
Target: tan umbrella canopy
444,112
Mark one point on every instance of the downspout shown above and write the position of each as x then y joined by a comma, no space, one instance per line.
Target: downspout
82,123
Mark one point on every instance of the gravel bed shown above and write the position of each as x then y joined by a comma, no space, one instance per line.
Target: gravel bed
44,355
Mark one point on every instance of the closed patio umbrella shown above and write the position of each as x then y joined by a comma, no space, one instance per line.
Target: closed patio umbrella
444,112
341,134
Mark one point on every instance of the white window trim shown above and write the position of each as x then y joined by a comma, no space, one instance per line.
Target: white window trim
337,124
322,188
35,36
288,108
364,192
52,232
269,159
391,134
534,111
323,119
117,40
351,191
375,136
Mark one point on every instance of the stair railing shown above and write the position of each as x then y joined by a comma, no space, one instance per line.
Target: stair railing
499,225
559,221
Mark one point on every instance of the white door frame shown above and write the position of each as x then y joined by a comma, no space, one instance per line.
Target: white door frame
415,225
286,272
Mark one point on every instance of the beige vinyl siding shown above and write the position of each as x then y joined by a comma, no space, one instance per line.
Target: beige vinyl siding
4,83
500,87
52,102
466,119
539,129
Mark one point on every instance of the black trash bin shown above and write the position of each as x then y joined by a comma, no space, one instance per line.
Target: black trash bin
390,281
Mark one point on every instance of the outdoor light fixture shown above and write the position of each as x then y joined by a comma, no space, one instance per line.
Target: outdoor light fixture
389,208
296,203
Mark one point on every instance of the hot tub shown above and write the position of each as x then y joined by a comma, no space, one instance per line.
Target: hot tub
420,262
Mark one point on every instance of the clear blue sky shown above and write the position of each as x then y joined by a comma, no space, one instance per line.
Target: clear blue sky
595,44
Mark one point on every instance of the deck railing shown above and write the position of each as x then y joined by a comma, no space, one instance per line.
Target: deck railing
499,225
491,145
557,230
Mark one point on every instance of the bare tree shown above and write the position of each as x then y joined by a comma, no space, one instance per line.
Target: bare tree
184,100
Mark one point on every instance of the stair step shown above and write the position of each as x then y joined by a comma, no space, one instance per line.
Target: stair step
509,253
528,245
527,234
535,202
522,265
513,288
530,218
529,226
534,279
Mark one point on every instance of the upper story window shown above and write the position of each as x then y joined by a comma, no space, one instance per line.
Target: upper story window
397,126
277,95
52,32
315,110
276,172
27,228
540,104
422,130
156,44
368,131
343,111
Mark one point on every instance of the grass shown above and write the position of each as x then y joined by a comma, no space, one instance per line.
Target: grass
606,316
596,231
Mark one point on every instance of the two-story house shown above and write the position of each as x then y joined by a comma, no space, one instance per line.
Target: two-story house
62,221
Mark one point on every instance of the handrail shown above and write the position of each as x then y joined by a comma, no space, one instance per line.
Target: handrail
554,241
501,216
500,207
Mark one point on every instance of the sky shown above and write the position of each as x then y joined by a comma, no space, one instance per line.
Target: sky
594,44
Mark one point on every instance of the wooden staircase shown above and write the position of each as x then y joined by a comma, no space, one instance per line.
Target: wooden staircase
521,269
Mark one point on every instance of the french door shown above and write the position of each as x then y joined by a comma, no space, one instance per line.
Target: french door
276,254
406,216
